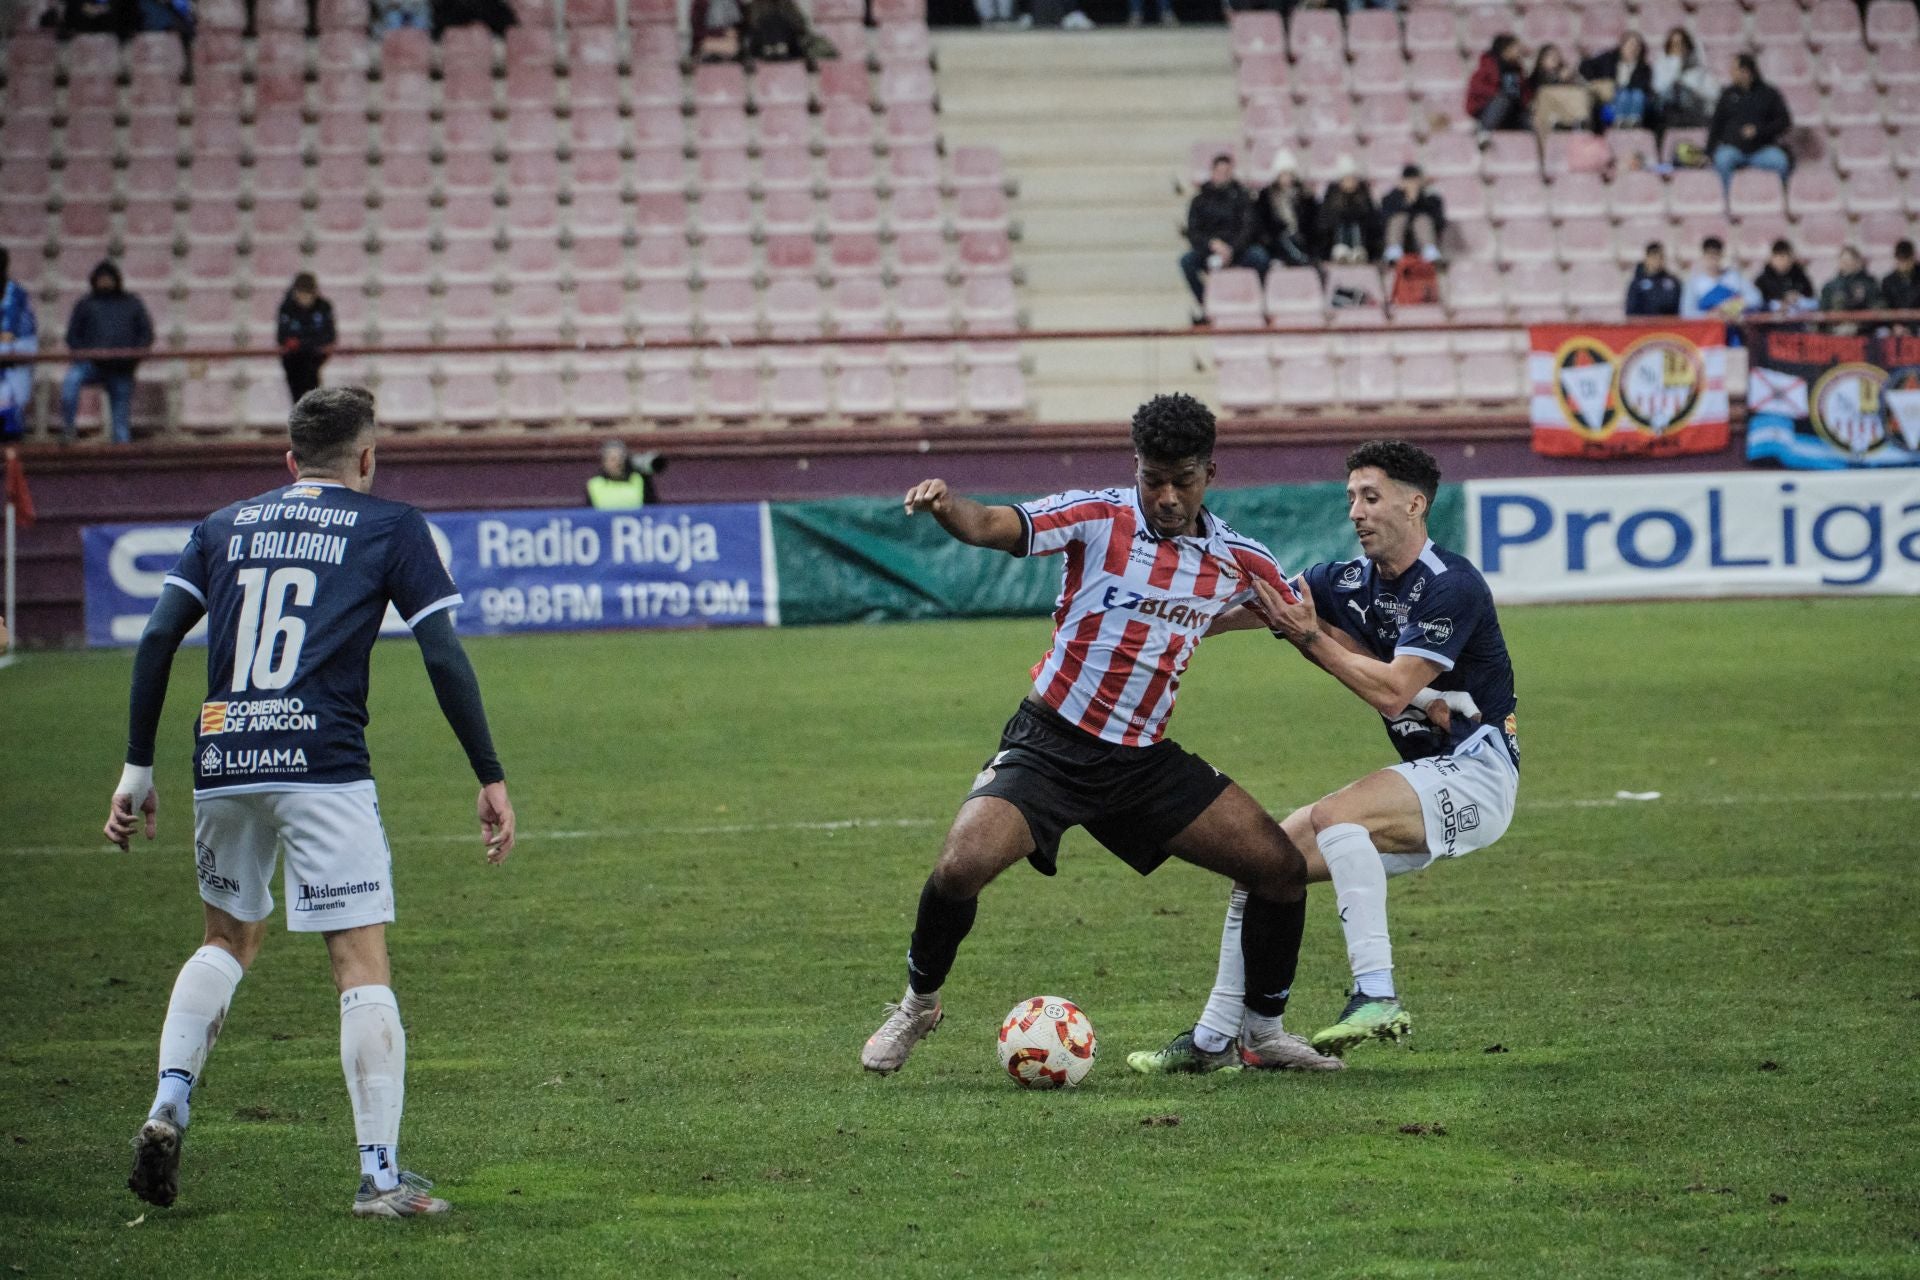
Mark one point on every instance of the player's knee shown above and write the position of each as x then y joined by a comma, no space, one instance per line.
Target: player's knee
1330,812
959,875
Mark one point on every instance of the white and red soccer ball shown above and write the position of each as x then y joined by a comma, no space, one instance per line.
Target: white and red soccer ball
1046,1043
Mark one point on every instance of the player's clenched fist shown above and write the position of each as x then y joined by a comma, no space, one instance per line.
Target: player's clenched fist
928,495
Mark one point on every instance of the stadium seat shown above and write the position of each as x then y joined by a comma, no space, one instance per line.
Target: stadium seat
988,304
1535,291
1577,195
1517,198
1492,378
854,254
853,211
535,394
1305,384
726,256
1473,293
929,390
1695,192
1833,23
600,311
1892,23
858,305
792,309
1245,382
470,392
1528,240
601,391
787,169
1256,32
1586,240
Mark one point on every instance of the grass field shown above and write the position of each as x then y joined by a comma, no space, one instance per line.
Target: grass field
633,1050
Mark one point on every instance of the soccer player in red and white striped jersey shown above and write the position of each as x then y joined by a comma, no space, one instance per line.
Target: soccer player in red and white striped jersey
1147,570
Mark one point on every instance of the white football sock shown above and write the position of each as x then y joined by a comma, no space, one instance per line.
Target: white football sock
373,1053
195,1013
1360,887
1226,1003
916,1003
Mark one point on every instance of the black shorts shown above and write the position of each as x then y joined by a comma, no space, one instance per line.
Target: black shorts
1131,799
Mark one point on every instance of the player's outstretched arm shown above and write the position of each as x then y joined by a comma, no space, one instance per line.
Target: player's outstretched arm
458,691
1387,687
174,615
974,523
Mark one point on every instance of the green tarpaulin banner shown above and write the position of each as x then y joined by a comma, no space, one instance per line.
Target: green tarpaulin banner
865,560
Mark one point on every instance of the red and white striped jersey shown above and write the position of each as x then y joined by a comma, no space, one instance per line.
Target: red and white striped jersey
1132,608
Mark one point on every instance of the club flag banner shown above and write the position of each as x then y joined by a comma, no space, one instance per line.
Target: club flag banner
1628,390
1822,401
562,570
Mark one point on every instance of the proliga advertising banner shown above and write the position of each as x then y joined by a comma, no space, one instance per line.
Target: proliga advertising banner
575,569
1639,537
1825,400
1606,391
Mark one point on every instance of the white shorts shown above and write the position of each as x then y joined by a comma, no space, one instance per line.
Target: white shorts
1466,798
339,870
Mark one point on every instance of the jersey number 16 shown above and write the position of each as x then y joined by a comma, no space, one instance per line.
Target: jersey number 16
265,624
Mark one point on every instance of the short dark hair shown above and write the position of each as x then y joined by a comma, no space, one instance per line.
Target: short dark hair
1782,246
327,423
1411,171
1902,250
1747,63
1713,244
1654,246
1402,461
1225,157
305,283
1172,428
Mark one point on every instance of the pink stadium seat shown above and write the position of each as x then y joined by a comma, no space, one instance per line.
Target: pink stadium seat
786,169
1872,191
1430,29
1293,296
930,390
1637,194
981,209
1813,189
1438,78
997,389
1256,31
600,310
1511,154
1860,150
790,257
656,85
787,212
864,390
1535,291
845,79
1386,117
532,129
720,84
1577,195
1366,380
1892,22
1233,299
1753,193
1473,293
853,211
797,388
1372,29
1517,198
897,44
601,392
655,256
663,170
1263,77
922,305
1845,66
1595,290
1315,35
667,393
858,306
1246,382
535,394
1451,155
855,254
1378,72
592,14
732,392
914,208
410,131
149,222
1531,240
1878,233
1833,22
988,304
1586,240
1426,380
846,123
1788,64
728,308
1320,78
277,130
919,253
776,127
778,84
1847,106
529,172
531,259
726,257
911,124
905,86
724,169
985,253
1694,192
792,309
1306,384
1493,378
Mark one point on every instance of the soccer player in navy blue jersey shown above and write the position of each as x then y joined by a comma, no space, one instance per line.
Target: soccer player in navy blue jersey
1409,628
294,585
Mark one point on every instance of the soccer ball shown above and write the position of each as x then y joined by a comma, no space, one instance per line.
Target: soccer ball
1046,1042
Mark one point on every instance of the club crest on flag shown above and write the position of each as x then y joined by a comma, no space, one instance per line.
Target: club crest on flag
1607,390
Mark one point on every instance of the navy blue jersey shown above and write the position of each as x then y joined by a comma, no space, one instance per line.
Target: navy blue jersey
1440,609
296,583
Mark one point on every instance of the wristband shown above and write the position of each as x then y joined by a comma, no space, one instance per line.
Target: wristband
1423,699
135,780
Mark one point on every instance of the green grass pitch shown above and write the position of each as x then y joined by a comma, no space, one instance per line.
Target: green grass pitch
633,1050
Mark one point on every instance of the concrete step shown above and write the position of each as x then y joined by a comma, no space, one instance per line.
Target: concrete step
1113,229
1168,307
1097,187
1081,144
1136,97
1072,271
1111,52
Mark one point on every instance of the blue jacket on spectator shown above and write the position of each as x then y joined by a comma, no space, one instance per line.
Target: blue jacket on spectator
1653,294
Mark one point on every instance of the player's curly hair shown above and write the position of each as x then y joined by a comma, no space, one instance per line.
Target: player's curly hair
1173,428
1407,463
327,422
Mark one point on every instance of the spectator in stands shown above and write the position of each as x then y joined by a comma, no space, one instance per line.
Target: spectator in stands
87,17
1561,99
107,319
495,15
716,26
305,333
1783,282
1163,13
1622,82
1349,219
1748,123
777,31
1854,289
168,15
624,482
19,335
1415,217
1654,291
392,15
1220,230
1684,91
1289,215
1499,94
1716,287
1899,291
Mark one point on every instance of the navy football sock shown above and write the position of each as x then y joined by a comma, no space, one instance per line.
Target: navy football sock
1270,948
938,930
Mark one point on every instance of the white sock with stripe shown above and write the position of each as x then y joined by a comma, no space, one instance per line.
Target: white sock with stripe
1360,887
373,1053
195,1013
1226,1003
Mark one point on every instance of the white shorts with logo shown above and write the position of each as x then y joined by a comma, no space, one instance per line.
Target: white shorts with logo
339,869
1466,798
